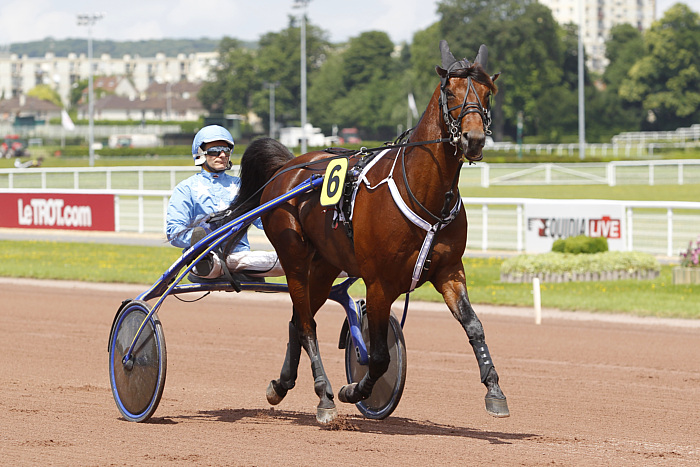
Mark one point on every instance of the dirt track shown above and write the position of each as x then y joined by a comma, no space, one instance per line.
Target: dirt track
581,392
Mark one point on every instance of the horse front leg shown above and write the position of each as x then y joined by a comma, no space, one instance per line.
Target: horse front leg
378,311
454,291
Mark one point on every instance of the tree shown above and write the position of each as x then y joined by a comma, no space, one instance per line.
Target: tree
607,113
234,80
77,91
279,61
666,80
362,86
525,44
45,93
424,57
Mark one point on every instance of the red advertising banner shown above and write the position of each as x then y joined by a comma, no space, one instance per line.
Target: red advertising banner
57,211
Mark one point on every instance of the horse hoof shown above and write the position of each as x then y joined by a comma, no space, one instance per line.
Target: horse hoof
343,393
272,397
497,407
325,416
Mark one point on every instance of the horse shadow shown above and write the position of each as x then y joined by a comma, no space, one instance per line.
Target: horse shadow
390,426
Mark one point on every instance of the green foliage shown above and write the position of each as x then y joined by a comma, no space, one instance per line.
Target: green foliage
555,262
76,92
239,81
234,80
424,57
44,92
666,80
534,55
580,244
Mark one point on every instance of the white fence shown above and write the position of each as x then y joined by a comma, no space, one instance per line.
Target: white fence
656,227
660,172
99,131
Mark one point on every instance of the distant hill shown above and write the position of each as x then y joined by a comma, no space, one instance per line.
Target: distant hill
144,48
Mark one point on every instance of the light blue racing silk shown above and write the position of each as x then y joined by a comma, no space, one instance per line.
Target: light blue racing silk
196,197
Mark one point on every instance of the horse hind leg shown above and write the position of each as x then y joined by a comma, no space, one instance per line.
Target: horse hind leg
307,295
456,298
277,389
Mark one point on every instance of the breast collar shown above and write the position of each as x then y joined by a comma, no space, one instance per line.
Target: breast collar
431,229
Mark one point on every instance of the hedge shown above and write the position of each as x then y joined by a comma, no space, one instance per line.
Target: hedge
568,266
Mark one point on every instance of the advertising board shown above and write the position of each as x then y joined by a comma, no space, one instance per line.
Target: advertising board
57,211
546,223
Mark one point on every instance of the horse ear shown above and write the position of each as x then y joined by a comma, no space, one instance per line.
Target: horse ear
482,57
495,77
447,57
441,71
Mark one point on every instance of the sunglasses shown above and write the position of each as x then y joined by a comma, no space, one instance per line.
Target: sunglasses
217,150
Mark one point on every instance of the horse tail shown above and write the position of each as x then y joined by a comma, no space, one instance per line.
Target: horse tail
261,159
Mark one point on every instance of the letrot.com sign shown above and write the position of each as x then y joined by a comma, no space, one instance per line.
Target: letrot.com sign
57,211
549,222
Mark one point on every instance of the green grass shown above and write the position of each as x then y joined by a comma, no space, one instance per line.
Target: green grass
88,262
144,265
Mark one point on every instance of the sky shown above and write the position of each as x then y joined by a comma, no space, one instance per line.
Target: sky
29,20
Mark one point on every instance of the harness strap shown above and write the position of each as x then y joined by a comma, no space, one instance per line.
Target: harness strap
420,222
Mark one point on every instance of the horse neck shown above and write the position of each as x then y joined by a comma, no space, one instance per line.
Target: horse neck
431,168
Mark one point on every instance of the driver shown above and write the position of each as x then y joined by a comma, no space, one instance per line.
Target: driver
207,192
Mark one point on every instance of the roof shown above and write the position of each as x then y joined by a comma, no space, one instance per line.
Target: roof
31,104
114,102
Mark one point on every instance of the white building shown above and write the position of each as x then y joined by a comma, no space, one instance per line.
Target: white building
292,136
19,74
599,16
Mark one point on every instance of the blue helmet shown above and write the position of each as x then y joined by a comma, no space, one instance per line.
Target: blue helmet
207,135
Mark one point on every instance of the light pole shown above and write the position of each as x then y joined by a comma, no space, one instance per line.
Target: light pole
168,98
581,104
89,20
303,4
272,87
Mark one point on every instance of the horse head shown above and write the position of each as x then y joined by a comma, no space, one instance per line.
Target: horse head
465,100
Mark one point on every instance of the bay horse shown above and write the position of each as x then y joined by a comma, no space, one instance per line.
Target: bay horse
406,226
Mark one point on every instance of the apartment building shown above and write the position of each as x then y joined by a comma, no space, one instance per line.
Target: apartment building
599,16
19,74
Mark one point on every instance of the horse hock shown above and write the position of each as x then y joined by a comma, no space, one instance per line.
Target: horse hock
496,403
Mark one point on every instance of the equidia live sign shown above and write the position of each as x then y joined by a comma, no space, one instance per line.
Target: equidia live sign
57,211
549,222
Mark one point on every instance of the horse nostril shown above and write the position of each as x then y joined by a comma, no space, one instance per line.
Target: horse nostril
476,138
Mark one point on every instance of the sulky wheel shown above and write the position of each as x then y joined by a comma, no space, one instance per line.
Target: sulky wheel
386,393
137,383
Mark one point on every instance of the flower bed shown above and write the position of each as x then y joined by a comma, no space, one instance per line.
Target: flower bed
689,270
565,267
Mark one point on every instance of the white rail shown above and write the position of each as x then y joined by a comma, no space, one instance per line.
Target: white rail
656,227
658,172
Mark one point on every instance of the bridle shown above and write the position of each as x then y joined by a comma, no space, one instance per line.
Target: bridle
454,125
